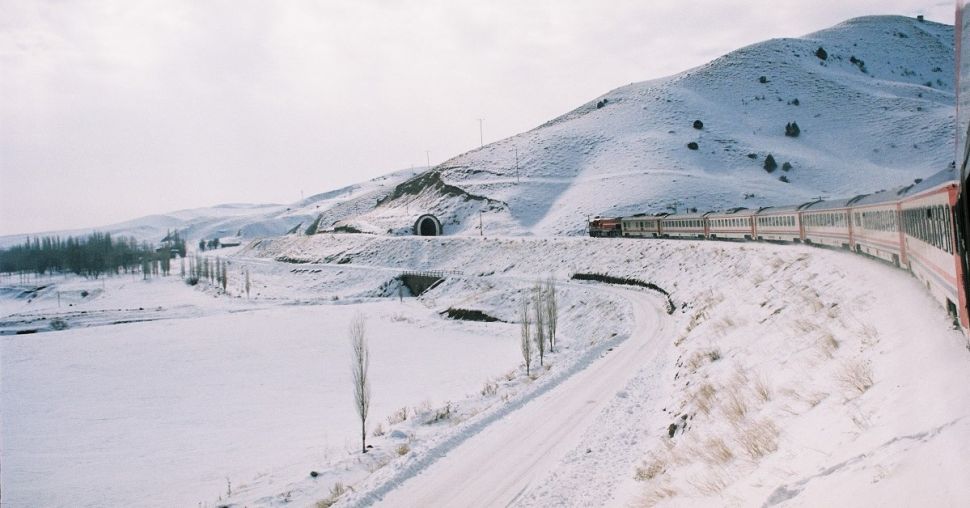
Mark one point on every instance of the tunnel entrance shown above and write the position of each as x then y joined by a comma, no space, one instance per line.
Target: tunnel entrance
428,225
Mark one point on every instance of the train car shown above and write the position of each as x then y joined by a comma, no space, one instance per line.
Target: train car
876,228
827,223
735,224
642,225
779,223
930,239
688,225
604,227
961,155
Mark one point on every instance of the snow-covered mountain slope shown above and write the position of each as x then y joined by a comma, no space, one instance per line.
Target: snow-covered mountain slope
245,220
875,112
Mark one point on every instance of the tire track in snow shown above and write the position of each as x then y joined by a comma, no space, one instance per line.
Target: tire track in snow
496,460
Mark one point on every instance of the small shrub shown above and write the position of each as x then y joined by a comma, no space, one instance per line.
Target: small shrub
402,449
490,389
58,324
763,79
714,354
752,156
792,130
440,414
193,280
821,53
783,179
692,145
650,469
770,165
786,166
398,416
794,102
379,430
857,376
84,293
698,124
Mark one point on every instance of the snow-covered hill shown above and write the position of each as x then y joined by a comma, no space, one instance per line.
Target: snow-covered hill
247,221
873,98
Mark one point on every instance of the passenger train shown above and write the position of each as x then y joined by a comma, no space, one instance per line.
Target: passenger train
912,227
923,228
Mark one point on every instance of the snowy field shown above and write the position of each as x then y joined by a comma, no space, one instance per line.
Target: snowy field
163,412
788,376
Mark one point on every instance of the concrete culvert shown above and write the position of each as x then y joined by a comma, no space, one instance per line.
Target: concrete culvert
428,225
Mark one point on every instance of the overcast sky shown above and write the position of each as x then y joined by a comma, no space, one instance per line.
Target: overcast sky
114,110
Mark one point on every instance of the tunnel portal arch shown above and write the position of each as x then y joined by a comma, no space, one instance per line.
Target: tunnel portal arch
428,225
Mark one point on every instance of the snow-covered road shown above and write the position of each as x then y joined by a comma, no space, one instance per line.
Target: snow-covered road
498,465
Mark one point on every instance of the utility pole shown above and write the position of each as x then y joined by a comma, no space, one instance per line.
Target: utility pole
427,153
481,135
516,164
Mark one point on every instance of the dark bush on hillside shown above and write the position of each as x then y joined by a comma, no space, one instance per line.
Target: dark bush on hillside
752,156
792,130
763,79
786,166
821,53
783,178
770,164
601,103
698,124
469,315
794,102
692,145
191,280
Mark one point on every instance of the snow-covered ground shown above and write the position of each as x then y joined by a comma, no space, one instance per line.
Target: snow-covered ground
257,390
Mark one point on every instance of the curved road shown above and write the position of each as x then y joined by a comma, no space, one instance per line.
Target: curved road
499,464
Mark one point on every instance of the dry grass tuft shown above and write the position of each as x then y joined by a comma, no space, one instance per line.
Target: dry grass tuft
758,438
704,398
714,451
708,484
827,344
735,406
402,449
335,492
856,375
657,496
762,388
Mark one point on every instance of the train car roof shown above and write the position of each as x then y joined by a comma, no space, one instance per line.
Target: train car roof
876,198
935,180
698,215
769,210
815,206
732,212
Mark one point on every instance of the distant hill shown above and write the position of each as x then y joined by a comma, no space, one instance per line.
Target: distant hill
245,221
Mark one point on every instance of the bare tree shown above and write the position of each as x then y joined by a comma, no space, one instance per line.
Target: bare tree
360,364
552,313
247,284
526,340
540,337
